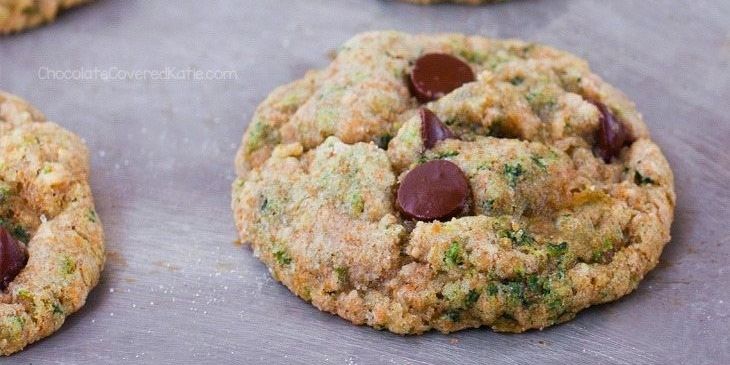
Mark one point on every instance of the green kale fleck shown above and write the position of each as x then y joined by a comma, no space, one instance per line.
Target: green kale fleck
20,233
446,154
517,80
492,289
91,215
488,205
494,60
472,56
4,193
542,101
281,256
15,230
539,161
13,326
640,179
537,285
556,304
526,291
532,96
438,156
516,291
260,134
604,253
557,250
471,298
519,237
357,203
24,294
453,256
513,173
57,309
342,274
68,266
454,315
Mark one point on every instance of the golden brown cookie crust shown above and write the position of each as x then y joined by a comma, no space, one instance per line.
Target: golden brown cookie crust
43,178
18,15
554,229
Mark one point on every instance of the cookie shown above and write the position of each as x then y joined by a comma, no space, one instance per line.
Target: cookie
469,2
17,15
51,239
446,182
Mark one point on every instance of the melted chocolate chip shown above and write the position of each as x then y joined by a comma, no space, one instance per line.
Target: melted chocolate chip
13,257
611,135
437,74
432,129
433,191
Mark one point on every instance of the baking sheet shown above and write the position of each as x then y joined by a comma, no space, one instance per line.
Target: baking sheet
178,290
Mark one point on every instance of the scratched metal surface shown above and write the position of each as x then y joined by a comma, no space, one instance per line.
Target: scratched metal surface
177,290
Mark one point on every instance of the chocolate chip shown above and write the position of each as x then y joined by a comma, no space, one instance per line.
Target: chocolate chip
432,129
437,74
611,135
434,190
13,257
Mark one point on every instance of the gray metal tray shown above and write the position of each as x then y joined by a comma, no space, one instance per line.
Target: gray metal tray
178,290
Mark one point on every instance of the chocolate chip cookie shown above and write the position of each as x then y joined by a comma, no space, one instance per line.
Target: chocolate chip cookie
447,181
17,15
51,240
469,2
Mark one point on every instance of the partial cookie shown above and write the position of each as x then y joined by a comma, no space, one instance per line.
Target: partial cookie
470,2
524,190
17,15
51,239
